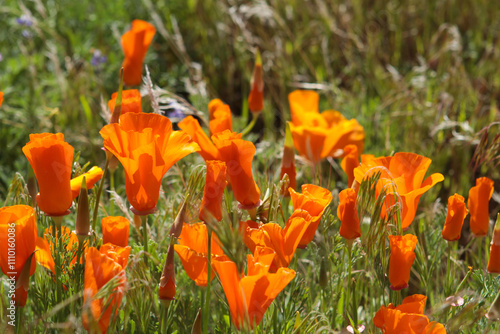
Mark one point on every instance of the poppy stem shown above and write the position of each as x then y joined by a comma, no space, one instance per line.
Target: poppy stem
144,220
349,295
57,232
112,188
250,126
98,195
448,266
209,276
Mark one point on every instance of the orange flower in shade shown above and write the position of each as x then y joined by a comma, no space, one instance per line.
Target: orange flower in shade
43,245
18,229
91,177
402,173
478,203
314,199
494,260
288,163
407,318
99,270
454,218
348,214
115,230
51,159
317,136
135,44
283,241
166,291
211,204
147,147
401,260
131,101
350,161
193,249
192,127
238,155
220,117
249,296
256,96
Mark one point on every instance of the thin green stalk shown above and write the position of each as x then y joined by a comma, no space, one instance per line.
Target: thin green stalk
58,250
144,221
112,188
480,252
348,292
209,275
448,271
19,321
98,195
250,126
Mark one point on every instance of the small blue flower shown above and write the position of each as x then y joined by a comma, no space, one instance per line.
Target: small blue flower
98,58
24,20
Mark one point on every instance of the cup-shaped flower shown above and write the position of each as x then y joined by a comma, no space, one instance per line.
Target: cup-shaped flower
317,136
283,241
116,253
349,162
348,214
17,239
314,199
215,182
147,147
51,159
256,96
131,101
494,260
478,203
135,44
192,127
454,218
193,250
220,117
91,177
166,291
249,296
406,318
99,270
238,155
115,229
402,174
288,163
401,260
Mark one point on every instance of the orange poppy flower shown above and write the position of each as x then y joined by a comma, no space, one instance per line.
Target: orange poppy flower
454,218
478,203
494,260
91,177
135,44
249,296
238,155
99,270
402,173
51,159
1,98
350,161
406,318
147,147
348,214
166,291
17,244
317,136
401,260
116,253
43,245
283,241
192,127
256,96
131,101
314,199
211,204
115,230
220,117
288,163
193,250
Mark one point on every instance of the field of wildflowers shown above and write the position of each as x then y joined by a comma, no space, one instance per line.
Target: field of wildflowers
281,166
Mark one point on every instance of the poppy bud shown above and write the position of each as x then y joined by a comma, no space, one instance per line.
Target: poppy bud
23,283
167,281
494,260
197,324
180,219
348,215
454,218
401,260
288,163
256,96
323,273
478,203
82,225
350,161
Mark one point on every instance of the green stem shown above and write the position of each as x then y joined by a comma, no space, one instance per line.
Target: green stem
480,252
349,283
448,271
19,320
112,188
250,126
144,220
209,275
98,196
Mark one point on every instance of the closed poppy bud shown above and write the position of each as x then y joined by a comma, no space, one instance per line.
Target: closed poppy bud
348,215
256,96
131,101
401,260
167,281
454,218
135,44
478,203
82,225
180,219
494,260
115,230
23,283
288,163
51,159
1,98
211,204
350,161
